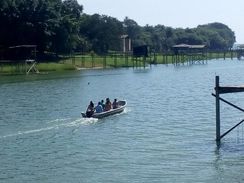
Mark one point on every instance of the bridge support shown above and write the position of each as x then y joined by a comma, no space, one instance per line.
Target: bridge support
222,90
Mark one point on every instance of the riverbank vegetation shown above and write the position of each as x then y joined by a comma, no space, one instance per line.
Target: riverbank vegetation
61,27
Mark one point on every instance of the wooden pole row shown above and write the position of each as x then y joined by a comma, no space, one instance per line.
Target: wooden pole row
154,58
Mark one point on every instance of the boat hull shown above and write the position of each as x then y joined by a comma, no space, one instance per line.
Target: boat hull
120,109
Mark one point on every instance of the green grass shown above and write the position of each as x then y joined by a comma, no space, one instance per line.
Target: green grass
10,69
54,67
42,67
95,61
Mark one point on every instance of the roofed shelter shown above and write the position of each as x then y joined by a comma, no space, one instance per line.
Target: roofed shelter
186,48
19,55
189,53
22,52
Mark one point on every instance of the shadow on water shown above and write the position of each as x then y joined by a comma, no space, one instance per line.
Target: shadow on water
228,162
230,147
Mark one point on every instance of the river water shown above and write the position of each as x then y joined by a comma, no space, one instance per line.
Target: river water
165,134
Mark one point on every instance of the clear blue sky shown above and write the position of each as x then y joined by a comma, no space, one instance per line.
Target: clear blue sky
173,13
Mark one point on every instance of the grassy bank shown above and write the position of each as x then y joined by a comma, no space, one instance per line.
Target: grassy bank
42,67
90,61
48,67
109,61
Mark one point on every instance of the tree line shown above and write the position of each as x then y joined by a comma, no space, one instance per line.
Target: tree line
61,27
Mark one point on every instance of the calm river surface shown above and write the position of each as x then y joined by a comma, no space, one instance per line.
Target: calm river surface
166,134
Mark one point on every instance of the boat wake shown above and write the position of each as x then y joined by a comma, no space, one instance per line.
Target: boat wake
60,123
127,109
59,120
64,123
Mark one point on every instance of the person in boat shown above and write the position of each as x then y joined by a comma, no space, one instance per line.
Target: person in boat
115,104
90,109
108,105
99,108
103,105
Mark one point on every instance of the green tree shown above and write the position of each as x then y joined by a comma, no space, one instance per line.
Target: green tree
217,35
103,32
67,37
60,26
133,30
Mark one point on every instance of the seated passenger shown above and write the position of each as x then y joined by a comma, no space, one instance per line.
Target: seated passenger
115,104
99,108
108,105
90,109
102,103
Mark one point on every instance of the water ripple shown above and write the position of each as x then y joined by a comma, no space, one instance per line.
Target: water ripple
165,134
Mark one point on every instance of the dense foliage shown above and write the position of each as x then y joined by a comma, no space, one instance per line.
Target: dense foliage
61,27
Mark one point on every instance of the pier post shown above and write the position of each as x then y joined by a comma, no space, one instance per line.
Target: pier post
104,61
83,60
115,60
217,109
73,60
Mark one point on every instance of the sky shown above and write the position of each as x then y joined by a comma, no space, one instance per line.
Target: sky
173,13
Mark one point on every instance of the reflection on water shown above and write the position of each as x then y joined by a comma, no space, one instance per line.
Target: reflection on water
165,134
